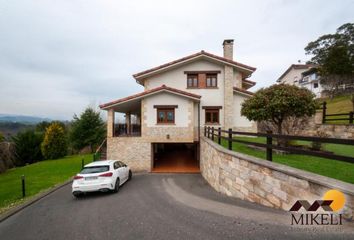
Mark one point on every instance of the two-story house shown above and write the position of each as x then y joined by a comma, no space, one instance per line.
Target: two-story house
179,99
302,75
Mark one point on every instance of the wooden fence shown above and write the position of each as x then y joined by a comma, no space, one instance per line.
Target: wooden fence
336,117
229,135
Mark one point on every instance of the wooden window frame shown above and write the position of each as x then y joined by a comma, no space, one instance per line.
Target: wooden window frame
165,110
192,75
216,80
212,110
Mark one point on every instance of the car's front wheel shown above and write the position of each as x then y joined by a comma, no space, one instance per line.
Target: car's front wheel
116,186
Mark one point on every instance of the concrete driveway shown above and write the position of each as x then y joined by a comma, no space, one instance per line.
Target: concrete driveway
157,206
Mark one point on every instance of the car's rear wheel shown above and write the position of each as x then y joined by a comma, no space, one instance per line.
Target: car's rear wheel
116,186
130,175
77,194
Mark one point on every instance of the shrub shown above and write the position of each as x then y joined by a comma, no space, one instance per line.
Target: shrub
28,146
279,104
318,145
54,144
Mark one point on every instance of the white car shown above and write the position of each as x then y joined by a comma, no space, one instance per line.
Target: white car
101,176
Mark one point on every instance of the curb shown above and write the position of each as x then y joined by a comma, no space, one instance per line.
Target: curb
32,200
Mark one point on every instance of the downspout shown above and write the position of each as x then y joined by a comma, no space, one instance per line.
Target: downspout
198,121
198,146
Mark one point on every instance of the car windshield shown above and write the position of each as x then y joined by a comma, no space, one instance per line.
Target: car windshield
95,169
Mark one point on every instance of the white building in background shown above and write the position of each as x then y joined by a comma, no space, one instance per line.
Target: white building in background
302,75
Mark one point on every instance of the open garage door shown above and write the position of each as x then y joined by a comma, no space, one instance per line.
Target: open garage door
175,158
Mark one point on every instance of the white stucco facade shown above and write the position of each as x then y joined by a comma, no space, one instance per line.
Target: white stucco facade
182,115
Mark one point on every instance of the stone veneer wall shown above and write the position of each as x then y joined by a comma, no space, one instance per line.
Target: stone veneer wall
228,97
332,130
265,182
134,151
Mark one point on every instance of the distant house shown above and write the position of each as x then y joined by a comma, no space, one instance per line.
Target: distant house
302,75
163,123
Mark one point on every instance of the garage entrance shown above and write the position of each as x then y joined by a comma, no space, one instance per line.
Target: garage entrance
175,158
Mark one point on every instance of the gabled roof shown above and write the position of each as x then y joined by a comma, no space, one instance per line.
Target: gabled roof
295,66
146,93
246,84
197,55
243,91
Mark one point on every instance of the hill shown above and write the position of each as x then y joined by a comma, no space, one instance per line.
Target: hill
22,119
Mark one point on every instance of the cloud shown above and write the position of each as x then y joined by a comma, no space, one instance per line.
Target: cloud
57,57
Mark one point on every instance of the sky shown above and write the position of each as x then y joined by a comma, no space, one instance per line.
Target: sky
58,57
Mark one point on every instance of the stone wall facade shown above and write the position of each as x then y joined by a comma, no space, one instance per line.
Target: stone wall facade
228,97
345,131
134,151
265,182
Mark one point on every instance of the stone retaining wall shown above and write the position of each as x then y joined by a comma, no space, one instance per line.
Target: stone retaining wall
264,182
315,125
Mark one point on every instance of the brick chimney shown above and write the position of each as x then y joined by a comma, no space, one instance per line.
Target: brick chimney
228,45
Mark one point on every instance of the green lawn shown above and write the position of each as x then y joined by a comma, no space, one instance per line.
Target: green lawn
39,176
339,104
331,168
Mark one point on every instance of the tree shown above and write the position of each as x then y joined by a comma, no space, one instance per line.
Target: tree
54,144
279,103
28,146
334,55
2,138
87,130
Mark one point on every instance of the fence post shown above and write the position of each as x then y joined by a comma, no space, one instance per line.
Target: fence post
351,117
212,134
219,135
269,149
230,139
94,157
23,186
205,131
324,112
208,132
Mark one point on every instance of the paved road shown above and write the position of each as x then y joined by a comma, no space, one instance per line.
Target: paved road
155,206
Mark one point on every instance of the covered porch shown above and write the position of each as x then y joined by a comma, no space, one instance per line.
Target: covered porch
124,119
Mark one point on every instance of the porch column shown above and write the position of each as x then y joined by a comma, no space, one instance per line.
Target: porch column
128,122
110,123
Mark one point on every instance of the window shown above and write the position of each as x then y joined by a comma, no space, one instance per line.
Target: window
122,164
95,169
211,80
315,85
116,165
165,115
212,115
192,80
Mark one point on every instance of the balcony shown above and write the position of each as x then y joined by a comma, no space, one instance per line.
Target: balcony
123,130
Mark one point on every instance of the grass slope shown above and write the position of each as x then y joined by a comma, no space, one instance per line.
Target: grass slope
39,176
331,168
340,104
